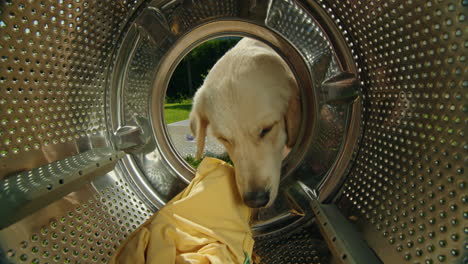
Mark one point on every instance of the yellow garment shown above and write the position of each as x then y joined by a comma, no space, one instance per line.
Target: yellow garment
205,223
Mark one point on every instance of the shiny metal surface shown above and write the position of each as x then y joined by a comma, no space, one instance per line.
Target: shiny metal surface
341,89
27,192
128,137
73,72
407,191
54,62
155,43
341,236
86,226
302,246
133,138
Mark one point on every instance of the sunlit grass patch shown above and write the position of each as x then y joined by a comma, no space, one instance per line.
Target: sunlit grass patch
195,163
177,111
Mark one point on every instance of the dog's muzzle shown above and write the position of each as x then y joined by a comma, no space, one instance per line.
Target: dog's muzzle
257,199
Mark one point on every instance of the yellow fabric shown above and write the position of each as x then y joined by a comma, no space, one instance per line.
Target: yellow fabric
205,223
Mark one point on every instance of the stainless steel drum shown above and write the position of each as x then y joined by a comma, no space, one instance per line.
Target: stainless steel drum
378,172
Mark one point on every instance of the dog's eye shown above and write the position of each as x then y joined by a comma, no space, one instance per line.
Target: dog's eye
265,131
224,140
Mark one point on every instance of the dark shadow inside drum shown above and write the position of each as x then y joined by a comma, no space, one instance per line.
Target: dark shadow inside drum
186,79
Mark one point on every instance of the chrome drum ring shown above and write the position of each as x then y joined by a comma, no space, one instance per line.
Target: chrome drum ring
78,76
156,41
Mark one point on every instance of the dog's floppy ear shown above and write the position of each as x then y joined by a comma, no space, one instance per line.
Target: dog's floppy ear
293,116
198,124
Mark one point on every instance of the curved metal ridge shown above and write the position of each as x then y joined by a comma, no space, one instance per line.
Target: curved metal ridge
25,193
158,40
387,122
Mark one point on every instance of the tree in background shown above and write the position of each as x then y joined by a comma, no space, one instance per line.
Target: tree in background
192,70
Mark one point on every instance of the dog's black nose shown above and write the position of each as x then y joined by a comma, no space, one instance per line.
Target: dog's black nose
256,199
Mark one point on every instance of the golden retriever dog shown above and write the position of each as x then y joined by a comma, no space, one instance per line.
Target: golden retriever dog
250,101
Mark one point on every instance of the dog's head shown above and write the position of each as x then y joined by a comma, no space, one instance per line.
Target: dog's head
251,103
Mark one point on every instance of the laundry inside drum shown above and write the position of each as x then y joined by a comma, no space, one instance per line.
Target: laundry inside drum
169,71
78,77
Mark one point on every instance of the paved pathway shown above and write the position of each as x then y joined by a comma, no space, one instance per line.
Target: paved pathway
181,123
185,144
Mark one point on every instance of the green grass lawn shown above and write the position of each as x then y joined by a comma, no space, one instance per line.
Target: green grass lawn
194,163
177,111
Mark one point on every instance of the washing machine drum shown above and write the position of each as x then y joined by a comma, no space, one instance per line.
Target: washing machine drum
377,172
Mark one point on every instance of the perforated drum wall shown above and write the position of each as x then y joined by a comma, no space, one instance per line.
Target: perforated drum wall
406,184
54,57
85,226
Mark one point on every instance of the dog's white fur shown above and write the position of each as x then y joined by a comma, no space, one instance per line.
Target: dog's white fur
248,90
